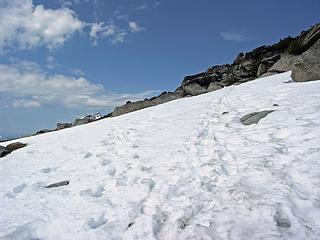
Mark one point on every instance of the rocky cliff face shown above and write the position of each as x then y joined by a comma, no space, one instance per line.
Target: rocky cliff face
301,55
265,60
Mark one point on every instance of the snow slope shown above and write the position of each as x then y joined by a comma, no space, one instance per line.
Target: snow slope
180,170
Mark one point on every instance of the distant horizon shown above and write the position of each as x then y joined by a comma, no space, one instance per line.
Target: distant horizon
89,56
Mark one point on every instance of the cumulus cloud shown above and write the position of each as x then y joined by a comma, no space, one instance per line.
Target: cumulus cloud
28,26
27,85
134,27
234,36
25,25
25,103
142,7
110,31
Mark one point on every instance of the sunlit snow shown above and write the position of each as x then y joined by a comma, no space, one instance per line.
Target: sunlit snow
187,169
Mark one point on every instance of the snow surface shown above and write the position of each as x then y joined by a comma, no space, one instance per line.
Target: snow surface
181,170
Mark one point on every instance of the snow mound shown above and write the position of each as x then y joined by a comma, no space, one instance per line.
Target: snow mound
187,169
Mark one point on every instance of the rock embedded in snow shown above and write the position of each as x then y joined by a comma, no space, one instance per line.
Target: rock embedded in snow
59,184
15,146
213,87
3,151
63,126
255,117
282,220
194,89
260,62
10,148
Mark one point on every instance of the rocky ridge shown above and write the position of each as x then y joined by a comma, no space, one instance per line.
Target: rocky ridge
301,55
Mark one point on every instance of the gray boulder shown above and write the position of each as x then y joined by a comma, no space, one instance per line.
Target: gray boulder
10,148
194,89
266,63
3,151
15,146
59,184
255,117
63,125
308,68
84,120
213,87
135,106
305,72
304,67
43,131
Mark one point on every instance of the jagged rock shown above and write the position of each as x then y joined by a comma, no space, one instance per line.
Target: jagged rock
228,79
63,125
262,69
84,120
194,89
43,131
238,59
254,117
3,151
308,38
10,148
308,69
15,146
213,87
59,184
203,79
286,63
135,106
166,97
260,62
249,65
266,63
303,73
180,91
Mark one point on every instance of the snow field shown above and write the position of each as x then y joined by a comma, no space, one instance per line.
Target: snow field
187,169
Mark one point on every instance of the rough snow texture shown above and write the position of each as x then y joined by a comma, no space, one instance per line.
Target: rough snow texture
181,170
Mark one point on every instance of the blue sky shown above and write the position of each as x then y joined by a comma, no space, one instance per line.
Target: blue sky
62,59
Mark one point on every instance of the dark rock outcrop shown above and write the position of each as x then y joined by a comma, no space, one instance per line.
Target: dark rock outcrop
134,106
15,146
43,131
194,89
84,120
10,148
301,55
3,151
63,126
59,184
255,117
79,121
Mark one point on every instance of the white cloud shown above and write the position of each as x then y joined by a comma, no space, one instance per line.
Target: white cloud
68,3
28,26
134,27
25,84
142,7
24,25
234,36
25,103
110,31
